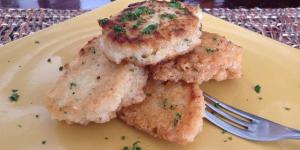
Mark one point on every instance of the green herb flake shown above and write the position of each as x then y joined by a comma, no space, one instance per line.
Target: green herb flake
72,85
138,24
103,21
211,50
143,10
175,4
37,42
43,142
126,148
168,16
14,90
165,103
129,16
61,68
260,98
19,125
287,108
257,88
93,50
176,119
217,105
135,146
230,138
172,107
150,29
14,96
118,29
123,137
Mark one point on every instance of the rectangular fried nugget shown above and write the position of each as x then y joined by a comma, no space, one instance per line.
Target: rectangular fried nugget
215,58
172,111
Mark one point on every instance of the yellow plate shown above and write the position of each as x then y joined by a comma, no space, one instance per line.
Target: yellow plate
24,66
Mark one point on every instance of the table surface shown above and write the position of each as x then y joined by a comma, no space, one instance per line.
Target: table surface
280,24
90,4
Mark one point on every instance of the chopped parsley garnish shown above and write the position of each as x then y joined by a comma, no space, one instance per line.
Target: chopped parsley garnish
98,77
143,10
129,16
176,119
217,105
61,68
43,142
37,42
93,50
211,50
135,146
150,29
229,138
14,95
126,148
169,16
175,4
138,24
287,108
165,103
172,107
72,85
118,29
257,88
49,60
103,21
123,137
260,98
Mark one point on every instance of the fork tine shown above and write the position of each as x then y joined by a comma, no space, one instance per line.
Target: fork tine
228,116
228,127
234,110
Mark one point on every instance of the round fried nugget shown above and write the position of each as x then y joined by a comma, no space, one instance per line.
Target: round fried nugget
215,58
151,31
172,111
92,88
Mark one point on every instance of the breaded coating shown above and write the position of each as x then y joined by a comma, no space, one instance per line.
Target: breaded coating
151,31
172,111
92,88
216,58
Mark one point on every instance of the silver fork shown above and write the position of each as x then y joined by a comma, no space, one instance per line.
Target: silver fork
244,124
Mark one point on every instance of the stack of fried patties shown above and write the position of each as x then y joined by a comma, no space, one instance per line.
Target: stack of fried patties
146,69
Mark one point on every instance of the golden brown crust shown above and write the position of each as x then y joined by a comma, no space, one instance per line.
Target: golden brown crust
92,89
216,58
184,22
165,102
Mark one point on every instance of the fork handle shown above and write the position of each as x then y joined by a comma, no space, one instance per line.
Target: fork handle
295,134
